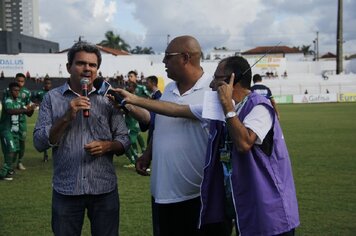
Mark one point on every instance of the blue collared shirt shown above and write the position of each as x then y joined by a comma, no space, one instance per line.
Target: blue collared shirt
76,172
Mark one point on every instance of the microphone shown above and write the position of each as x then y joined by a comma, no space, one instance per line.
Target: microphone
102,88
84,82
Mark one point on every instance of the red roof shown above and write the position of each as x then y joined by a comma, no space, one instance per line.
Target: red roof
278,49
328,55
112,51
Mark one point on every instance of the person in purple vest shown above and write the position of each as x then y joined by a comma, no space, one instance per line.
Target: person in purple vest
251,140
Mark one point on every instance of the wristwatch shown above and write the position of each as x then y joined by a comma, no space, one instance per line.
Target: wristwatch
230,114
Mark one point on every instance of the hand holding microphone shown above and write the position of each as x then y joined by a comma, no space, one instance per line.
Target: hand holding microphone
84,82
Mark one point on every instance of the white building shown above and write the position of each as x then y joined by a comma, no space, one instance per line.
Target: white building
218,54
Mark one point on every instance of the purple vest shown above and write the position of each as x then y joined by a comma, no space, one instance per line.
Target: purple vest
263,187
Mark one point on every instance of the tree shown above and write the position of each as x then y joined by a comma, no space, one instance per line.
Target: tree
114,41
305,49
140,50
222,48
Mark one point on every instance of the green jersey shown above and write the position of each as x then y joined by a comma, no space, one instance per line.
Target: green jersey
132,124
37,96
10,123
24,99
142,91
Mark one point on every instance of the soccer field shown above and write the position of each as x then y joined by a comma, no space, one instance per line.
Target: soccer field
321,139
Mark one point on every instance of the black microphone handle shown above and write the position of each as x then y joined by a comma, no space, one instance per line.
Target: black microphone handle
85,93
119,99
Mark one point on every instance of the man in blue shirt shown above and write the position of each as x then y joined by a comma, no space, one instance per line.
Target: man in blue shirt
263,90
84,176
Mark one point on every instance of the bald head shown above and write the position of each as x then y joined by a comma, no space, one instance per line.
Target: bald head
186,44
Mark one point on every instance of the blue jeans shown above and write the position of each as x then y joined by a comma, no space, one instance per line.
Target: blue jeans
102,210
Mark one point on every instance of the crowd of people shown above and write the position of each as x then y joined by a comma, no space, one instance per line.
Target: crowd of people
207,175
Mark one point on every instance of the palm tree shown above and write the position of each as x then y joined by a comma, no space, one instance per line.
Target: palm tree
140,50
114,41
148,50
136,50
306,50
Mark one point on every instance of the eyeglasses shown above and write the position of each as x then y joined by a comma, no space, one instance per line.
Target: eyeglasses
168,55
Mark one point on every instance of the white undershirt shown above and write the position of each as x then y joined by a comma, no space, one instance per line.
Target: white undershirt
259,120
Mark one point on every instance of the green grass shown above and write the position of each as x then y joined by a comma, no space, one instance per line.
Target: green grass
322,143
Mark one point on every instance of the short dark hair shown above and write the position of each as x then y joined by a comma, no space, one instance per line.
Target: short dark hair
241,68
13,85
257,78
83,46
132,72
153,79
20,75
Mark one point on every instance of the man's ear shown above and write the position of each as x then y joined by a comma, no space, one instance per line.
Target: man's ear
186,57
68,67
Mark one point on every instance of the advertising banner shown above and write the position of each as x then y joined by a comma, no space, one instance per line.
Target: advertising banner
315,98
10,64
347,97
283,99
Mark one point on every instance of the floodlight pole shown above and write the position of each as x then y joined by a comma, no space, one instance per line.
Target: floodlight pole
317,45
339,38
168,39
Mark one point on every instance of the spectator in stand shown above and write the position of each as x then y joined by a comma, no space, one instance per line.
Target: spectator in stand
12,109
37,97
28,75
84,178
263,90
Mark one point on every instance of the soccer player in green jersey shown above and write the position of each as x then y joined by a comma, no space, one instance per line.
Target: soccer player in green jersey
140,91
10,128
24,99
37,97
24,96
134,130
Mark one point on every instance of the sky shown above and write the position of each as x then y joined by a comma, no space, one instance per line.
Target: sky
234,24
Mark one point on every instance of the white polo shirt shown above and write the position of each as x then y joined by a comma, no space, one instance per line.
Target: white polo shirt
179,148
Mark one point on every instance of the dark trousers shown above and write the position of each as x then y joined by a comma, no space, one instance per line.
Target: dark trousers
155,222
289,233
102,210
177,219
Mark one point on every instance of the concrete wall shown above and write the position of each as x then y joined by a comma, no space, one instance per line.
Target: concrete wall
302,75
14,43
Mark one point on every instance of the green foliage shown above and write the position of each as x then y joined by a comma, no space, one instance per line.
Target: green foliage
140,50
321,139
114,41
